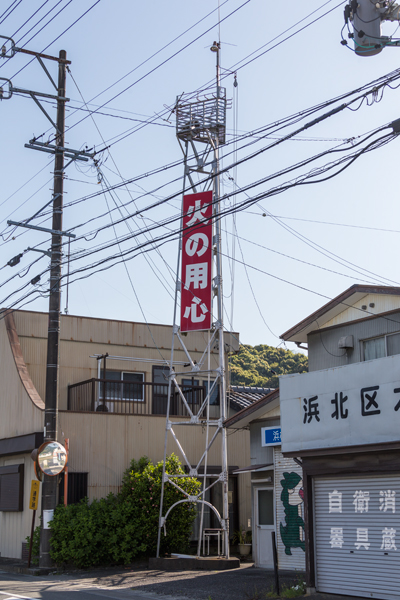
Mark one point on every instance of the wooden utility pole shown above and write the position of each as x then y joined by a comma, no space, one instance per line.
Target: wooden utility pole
50,488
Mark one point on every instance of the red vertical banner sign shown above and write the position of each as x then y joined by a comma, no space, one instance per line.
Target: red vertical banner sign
196,280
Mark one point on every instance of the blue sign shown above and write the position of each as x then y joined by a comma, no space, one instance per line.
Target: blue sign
270,436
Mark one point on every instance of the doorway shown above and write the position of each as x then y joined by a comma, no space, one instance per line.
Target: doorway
160,390
264,524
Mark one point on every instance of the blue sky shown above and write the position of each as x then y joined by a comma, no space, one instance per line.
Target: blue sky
289,273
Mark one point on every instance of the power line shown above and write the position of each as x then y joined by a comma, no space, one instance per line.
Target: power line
251,287
153,55
164,223
9,10
374,85
301,287
237,66
351,157
58,37
18,42
285,218
27,200
335,257
298,181
141,64
163,238
288,136
137,297
148,259
304,262
367,89
273,191
40,20
159,65
29,18
231,69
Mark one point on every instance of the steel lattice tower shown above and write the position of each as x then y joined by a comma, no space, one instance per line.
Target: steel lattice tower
200,130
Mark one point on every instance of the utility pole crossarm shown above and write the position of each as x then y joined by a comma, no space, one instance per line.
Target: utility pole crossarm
41,94
38,228
69,152
62,61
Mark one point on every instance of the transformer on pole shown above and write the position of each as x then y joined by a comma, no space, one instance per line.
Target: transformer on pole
200,130
366,17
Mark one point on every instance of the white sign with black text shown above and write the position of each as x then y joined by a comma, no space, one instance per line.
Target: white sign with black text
345,406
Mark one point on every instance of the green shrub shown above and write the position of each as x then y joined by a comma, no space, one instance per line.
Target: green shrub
120,527
80,534
35,545
142,484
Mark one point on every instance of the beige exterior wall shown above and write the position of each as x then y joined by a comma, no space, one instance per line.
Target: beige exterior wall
20,414
100,444
83,337
103,445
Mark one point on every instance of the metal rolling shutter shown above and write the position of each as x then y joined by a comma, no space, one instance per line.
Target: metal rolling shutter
295,560
357,550
11,488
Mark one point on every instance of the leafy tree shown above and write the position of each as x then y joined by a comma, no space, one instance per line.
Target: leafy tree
260,366
120,527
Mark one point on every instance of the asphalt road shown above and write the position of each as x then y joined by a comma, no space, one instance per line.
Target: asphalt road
54,587
245,583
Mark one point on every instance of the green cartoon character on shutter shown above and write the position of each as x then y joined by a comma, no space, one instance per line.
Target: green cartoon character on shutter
292,497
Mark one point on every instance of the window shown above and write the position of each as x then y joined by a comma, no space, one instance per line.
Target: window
122,385
195,391
379,347
265,507
393,344
132,388
11,488
77,487
375,348
214,400
191,390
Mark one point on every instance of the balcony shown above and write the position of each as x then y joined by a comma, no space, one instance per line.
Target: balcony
132,398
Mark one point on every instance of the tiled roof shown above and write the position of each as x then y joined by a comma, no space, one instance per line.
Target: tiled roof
255,410
242,397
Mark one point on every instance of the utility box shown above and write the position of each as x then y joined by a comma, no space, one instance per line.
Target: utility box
346,342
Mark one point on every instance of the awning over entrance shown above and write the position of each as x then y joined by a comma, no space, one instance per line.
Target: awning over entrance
254,469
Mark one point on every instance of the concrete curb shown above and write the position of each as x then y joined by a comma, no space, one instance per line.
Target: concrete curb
33,570
193,564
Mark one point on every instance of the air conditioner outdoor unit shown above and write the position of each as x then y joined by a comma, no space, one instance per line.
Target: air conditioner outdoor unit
347,341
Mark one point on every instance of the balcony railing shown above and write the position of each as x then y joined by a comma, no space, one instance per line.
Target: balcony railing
132,398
